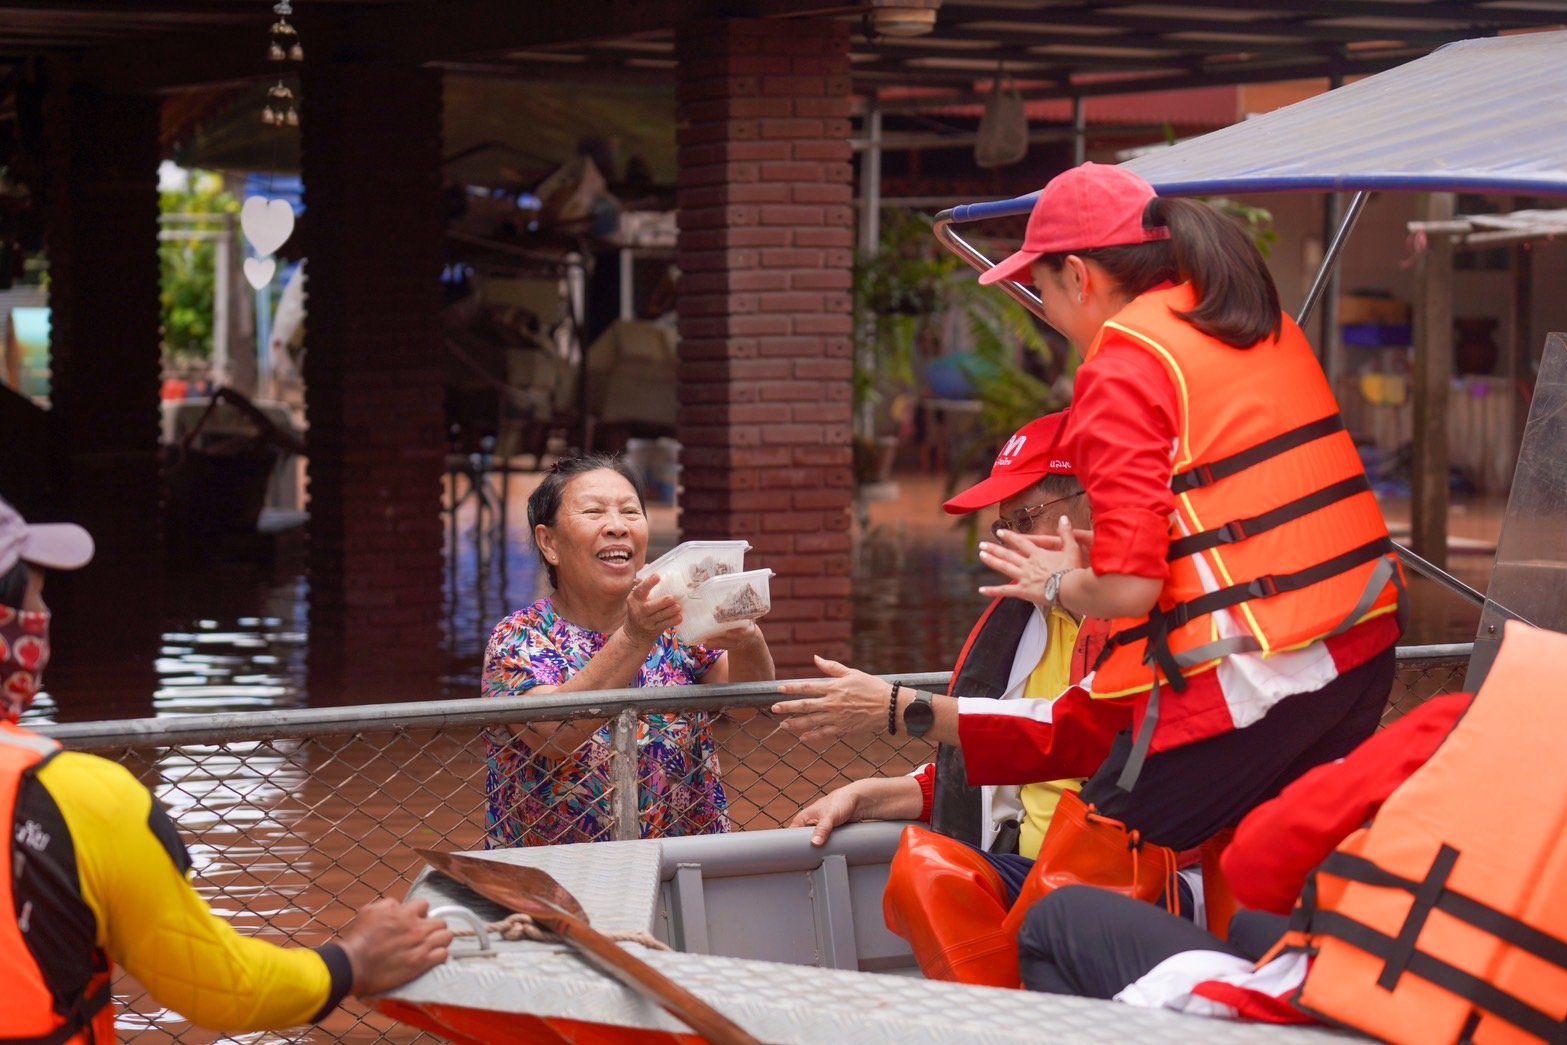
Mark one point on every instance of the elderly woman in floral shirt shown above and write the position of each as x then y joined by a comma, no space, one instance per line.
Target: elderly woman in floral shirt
550,782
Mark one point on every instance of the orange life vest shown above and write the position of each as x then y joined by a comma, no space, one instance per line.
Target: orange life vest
1446,918
31,1015
1274,518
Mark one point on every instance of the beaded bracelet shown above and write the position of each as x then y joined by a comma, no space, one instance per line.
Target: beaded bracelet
892,711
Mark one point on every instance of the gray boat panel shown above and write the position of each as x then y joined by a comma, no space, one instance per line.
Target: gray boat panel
769,908
1529,575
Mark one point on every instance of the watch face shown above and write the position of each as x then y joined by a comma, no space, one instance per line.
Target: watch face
918,717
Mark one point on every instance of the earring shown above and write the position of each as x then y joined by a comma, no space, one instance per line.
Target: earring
1079,297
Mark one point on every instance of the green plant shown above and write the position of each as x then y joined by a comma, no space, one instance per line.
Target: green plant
909,294
189,266
897,298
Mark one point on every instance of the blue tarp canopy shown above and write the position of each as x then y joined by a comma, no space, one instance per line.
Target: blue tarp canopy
1487,115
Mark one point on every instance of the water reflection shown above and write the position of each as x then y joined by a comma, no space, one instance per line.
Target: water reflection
236,634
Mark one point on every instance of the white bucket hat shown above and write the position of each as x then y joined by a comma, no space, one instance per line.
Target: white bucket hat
54,546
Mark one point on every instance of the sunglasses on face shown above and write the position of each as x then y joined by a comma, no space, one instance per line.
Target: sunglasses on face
1022,520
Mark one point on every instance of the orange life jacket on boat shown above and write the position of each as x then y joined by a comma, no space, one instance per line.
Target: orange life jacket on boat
1274,517
31,1014
1446,918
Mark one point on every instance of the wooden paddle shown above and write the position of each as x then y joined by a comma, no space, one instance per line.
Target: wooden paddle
530,891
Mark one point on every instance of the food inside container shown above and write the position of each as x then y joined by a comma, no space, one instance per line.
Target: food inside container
685,566
724,602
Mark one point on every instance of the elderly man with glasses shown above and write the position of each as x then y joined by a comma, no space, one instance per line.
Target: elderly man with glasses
952,886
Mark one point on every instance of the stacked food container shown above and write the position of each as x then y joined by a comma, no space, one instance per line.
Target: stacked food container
715,590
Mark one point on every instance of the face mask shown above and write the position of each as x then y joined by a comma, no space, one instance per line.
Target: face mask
24,650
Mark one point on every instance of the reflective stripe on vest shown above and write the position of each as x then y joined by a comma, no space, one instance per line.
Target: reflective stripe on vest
1275,521
1444,919
29,1016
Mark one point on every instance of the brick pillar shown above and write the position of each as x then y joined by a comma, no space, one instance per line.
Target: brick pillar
371,152
765,354
101,214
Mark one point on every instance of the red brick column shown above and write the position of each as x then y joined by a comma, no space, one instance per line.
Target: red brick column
101,210
371,151
765,354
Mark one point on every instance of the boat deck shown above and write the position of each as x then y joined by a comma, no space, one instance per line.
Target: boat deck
785,939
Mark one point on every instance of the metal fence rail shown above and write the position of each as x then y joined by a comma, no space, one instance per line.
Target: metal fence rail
295,819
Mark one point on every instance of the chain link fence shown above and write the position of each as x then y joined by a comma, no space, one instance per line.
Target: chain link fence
296,819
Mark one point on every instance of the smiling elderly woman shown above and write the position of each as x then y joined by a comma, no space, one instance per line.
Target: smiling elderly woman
550,782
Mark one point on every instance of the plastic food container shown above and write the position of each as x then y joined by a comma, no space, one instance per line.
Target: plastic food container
723,602
685,566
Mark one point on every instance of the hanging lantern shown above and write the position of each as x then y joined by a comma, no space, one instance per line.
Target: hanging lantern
284,43
279,108
901,17
282,46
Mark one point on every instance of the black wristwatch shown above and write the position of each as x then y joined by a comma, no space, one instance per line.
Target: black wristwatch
920,715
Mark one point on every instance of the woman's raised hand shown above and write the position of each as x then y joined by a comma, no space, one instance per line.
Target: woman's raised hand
739,636
647,620
846,701
1028,560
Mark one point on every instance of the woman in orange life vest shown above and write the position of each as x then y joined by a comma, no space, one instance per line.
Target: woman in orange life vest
1237,545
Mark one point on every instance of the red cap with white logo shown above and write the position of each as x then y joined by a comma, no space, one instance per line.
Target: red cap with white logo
1034,452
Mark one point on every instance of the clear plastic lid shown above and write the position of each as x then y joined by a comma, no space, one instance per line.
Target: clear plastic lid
687,565
723,602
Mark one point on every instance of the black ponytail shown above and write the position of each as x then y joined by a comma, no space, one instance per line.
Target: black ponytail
1237,302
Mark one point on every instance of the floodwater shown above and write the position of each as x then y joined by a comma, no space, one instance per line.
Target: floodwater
294,835
236,633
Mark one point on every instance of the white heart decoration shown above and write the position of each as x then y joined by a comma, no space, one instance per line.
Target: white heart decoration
267,223
259,271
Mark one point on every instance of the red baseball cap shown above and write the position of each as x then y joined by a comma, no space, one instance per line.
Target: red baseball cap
1084,208
1032,453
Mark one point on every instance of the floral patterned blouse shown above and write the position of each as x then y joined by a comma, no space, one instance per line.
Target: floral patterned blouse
535,799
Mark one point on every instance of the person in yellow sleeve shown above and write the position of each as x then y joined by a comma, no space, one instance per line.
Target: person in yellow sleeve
100,877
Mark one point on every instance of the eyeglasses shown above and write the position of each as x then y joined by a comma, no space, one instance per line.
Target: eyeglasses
1022,519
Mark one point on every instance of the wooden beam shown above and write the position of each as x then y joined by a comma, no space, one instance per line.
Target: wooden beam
1294,30
1214,76
1482,13
1428,501
434,30
1520,349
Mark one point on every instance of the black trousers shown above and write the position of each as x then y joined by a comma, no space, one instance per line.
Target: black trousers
1093,943
1187,795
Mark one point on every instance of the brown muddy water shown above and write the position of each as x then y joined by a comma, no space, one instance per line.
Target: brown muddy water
293,836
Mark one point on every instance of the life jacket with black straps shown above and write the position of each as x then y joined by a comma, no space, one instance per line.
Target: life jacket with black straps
31,1014
983,669
1445,919
1274,519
